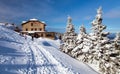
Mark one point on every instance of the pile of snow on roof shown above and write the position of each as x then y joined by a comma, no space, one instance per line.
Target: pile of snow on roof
34,19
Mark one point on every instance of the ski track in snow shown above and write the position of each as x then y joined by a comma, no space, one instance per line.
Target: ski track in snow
31,68
33,57
48,63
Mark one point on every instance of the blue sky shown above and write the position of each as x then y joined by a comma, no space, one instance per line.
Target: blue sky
55,12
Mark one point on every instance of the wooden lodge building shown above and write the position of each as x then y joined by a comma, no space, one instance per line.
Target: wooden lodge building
36,28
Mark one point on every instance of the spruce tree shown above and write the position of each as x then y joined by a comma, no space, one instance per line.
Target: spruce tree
83,45
69,37
104,52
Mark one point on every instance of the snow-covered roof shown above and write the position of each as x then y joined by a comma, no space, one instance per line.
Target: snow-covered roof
33,19
43,22
24,21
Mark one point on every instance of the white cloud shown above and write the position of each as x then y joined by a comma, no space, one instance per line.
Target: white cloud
15,10
87,18
114,13
59,19
10,12
113,30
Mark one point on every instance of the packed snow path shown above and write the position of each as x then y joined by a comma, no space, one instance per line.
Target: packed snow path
41,56
43,62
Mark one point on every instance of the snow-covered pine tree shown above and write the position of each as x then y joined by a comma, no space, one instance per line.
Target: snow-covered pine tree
79,43
103,53
69,37
99,37
117,42
115,54
117,38
100,40
110,63
83,45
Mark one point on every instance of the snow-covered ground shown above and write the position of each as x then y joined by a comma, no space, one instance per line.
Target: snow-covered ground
41,56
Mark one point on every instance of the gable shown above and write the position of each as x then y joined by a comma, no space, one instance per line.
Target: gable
34,23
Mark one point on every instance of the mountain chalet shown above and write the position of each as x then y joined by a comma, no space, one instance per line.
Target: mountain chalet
36,28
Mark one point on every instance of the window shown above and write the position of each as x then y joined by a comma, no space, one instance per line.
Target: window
40,29
26,29
41,35
31,24
48,35
31,29
35,29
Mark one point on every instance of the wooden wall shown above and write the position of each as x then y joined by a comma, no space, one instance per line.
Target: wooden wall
33,26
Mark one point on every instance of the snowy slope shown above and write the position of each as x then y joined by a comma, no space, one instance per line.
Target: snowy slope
66,61
41,56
